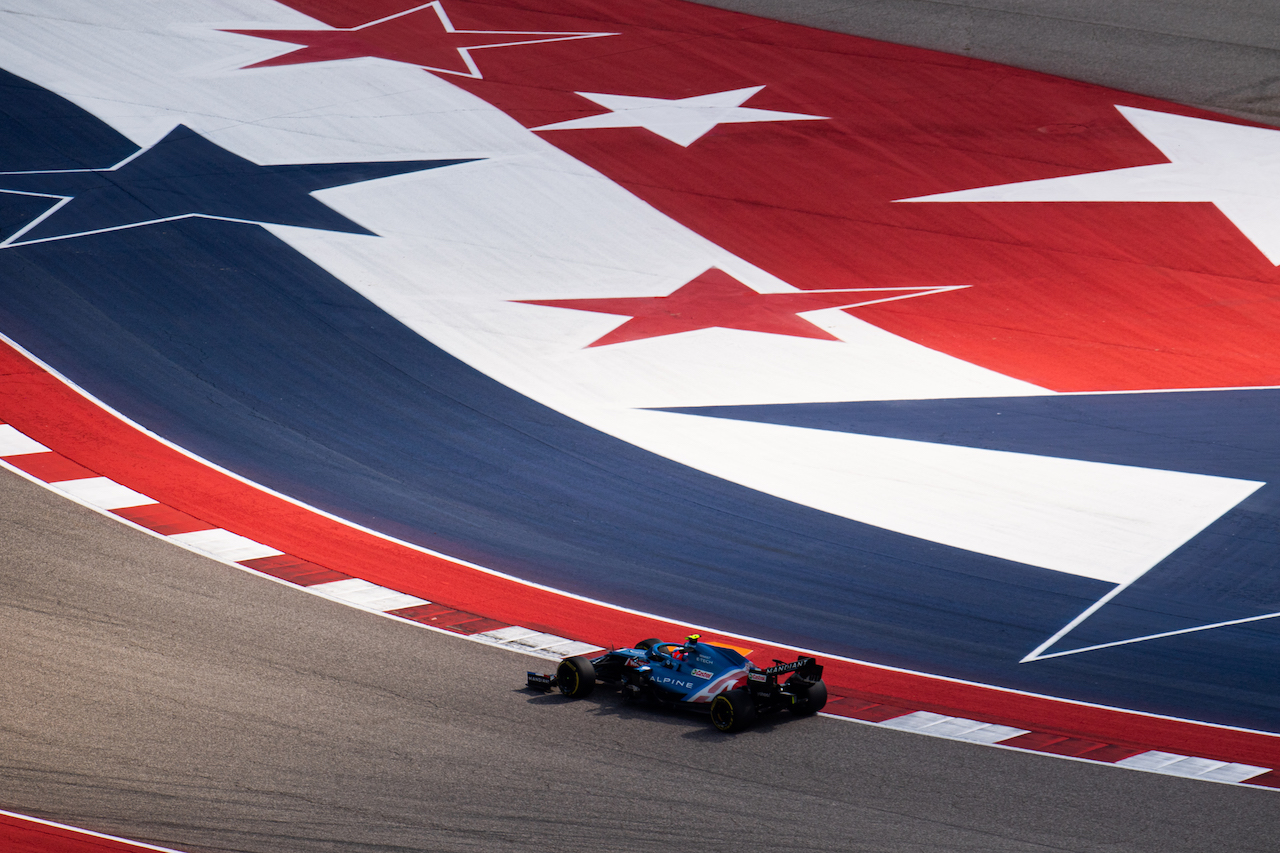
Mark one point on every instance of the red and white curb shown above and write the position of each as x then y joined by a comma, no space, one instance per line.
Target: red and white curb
989,734
23,454
28,456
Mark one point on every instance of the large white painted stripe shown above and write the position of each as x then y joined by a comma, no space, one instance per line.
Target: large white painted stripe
570,648
958,728
103,493
366,595
1173,764
535,642
225,545
1151,760
509,634
14,443
1108,522
1234,773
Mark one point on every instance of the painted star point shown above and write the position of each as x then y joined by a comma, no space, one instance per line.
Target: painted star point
681,120
184,175
1232,166
716,299
423,36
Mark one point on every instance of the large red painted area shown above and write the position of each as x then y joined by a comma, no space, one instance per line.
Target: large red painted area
1082,296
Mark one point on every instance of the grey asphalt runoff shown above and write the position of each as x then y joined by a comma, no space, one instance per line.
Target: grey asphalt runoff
153,693
1222,55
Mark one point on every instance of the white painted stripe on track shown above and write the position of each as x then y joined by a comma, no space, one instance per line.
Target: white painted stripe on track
533,642
990,734
367,596
225,545
1233,773
103,493
15,443
1153,760
957,728
1190,767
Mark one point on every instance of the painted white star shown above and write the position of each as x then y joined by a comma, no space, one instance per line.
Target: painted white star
681,120
1236,168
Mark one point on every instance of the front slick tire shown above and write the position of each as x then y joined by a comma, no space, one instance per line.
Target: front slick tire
576,677
810,699
733,710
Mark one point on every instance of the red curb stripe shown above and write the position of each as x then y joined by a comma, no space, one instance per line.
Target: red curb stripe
50,467
479,626
1266,780
1111,753
867,712
1037,741
458,621
286,567
1074,747
162,519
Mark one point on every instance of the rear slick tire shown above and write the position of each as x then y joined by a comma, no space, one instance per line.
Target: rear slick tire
576,677
809,699
733,710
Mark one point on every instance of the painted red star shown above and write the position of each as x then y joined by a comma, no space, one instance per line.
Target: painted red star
422,36
716,299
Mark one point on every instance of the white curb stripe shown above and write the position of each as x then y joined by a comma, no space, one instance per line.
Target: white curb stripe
532,642
225,545
957,728
1190,767
366,596
103,493
14,443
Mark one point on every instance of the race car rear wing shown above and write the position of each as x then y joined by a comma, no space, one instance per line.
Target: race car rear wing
805,668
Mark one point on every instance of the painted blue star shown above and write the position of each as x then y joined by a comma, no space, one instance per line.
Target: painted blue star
185,175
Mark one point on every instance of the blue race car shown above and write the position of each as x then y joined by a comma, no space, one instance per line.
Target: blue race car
696,675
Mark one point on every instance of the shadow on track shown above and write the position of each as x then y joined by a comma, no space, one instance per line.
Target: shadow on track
695,725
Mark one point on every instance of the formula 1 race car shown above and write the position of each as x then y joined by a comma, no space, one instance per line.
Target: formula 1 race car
695,675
